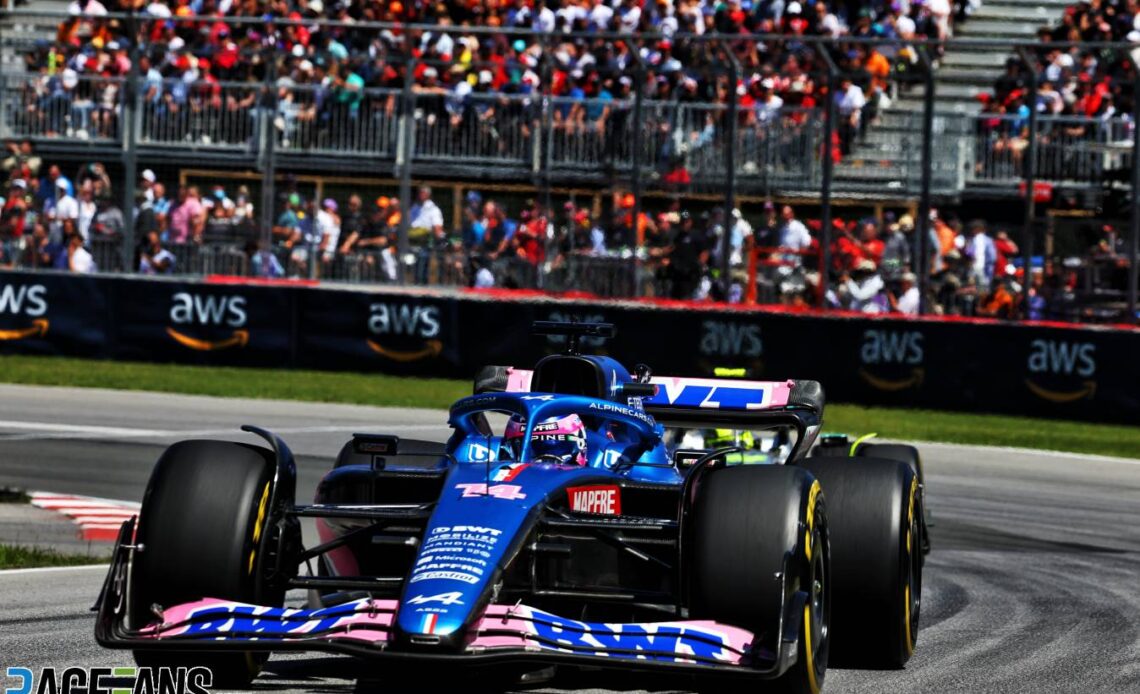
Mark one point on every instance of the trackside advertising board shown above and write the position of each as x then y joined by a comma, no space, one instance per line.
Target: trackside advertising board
1073,372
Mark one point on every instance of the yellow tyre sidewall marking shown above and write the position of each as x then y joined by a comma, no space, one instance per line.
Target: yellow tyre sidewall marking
813,684
909,550
809,657
262,507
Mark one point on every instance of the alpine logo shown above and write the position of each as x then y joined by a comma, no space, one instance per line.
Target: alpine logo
454,598
510,492
600,499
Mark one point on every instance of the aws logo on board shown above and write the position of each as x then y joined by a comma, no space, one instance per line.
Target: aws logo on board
1061,371
196,318
892,360
727,339
404,332
22,311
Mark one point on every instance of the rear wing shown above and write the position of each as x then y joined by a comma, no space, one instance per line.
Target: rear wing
711,402
675,393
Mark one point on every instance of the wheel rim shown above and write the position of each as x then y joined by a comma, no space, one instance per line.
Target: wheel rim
818,607
913,596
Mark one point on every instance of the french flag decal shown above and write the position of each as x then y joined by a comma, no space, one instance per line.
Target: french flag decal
430,620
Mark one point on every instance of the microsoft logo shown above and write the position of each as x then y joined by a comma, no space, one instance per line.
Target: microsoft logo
105,680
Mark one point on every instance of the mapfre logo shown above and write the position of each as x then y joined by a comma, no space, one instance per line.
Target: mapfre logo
404,332
600,499
892,360
191,312
728,339
1061,370
23,307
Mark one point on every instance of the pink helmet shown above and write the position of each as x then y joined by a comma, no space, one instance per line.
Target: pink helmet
561,437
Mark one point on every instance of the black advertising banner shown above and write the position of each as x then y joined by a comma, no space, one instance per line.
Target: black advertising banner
200,323
394,333
52,313
1071,372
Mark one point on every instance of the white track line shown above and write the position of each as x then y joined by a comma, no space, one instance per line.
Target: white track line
50,569
1015,450
50,430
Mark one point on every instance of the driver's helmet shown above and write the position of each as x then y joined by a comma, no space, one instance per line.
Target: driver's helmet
561,437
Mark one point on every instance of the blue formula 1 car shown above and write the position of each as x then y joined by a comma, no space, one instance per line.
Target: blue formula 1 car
578,516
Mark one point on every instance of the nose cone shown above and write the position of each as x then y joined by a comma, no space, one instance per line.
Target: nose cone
477,528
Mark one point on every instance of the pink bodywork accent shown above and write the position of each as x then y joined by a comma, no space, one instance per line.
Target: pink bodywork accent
518,381
502,627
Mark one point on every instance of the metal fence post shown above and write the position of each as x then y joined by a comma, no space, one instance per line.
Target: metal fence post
267,137
130,110
635,181
404,162
1134,242
829,115
922,232
734,71
1029,172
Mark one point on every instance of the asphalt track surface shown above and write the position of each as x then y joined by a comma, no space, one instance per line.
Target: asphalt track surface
1033,584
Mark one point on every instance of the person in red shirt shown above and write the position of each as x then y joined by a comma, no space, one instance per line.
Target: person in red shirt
870,245
1006,249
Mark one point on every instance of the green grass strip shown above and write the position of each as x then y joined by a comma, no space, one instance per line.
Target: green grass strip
12,557
396,391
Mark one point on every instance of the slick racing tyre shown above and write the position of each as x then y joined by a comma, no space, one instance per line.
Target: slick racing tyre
910,456
203,514
894,451
876,559
745,521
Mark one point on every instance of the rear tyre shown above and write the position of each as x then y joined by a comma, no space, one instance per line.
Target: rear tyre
745,521
910,456
876,559
203,514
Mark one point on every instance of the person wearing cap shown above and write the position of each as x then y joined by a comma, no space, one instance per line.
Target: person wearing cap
146,183
13,220
687,259
62,207
218,198
982,252
329,228
908,296
352,224
288,226
865,288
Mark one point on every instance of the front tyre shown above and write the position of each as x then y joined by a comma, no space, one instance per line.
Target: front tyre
204,512
759,539
876,558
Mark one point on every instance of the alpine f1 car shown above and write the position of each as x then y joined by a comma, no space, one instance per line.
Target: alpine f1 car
612,520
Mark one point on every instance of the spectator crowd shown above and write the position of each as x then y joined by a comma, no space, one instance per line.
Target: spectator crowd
204,66
1091,87
71,220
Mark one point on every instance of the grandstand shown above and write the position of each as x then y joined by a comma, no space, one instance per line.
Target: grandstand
550,110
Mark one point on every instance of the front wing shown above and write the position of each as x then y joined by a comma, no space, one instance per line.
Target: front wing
504,634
